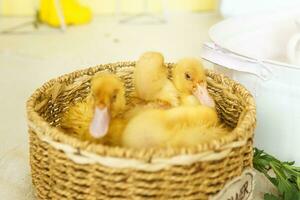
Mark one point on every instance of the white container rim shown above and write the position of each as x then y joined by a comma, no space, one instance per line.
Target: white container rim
228,50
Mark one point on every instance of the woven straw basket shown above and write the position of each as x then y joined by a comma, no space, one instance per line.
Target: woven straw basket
64,167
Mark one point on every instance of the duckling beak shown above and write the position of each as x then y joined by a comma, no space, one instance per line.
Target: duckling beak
201,93
100,122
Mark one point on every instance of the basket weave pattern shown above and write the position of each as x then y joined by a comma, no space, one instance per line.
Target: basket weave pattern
58,175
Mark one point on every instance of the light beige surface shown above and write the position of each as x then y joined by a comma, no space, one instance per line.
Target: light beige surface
28,60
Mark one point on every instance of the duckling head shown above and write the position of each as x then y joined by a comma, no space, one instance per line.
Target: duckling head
189,78
108,97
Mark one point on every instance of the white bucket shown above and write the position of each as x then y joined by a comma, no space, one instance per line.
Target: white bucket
252,50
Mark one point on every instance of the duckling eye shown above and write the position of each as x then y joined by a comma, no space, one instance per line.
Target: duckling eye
187,76
114,97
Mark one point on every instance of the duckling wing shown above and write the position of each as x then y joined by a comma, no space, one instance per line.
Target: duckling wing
116,129
76,120
189,100
146,130
168,94
193,136
191,116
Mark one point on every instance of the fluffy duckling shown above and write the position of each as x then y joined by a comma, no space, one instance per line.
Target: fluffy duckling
190,80
194,122
151,80
98,118
157,127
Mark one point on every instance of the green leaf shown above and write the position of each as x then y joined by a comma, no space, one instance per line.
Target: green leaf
287,176
289,163
292,194
298,182
274,181
268,196
284,187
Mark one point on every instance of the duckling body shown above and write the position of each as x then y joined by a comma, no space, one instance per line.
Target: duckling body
151,80
156,127
152,88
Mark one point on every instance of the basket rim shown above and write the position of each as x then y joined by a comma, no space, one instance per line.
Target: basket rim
247,121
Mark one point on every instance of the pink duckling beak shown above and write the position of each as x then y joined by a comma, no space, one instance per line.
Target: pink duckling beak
100,122
203,96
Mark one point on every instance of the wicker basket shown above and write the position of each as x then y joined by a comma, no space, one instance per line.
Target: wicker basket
64,167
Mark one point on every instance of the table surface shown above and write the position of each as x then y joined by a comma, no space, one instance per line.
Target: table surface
29,57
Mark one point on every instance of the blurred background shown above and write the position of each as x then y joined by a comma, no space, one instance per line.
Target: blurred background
107,7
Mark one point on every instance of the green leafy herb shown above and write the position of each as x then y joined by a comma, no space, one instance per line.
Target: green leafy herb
268,196
287,176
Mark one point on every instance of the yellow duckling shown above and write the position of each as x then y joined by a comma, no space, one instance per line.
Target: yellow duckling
151,80
98,118
152,87
194,122
190,80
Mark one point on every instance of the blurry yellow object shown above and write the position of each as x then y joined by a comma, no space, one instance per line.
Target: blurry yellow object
107,7
54,12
